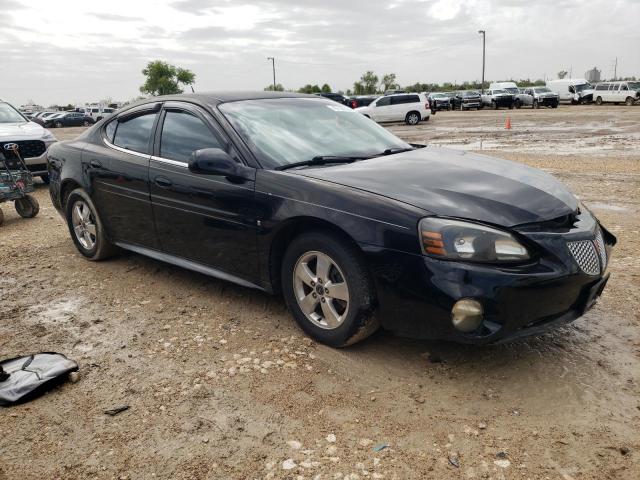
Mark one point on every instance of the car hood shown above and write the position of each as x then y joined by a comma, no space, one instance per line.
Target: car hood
457,184
20,131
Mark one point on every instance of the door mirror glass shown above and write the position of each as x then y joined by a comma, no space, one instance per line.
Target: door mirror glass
571,89
215,161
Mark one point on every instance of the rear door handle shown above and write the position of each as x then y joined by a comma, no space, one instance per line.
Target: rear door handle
163,182
95,164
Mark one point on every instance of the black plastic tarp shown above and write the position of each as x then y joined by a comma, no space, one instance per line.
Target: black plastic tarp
31,375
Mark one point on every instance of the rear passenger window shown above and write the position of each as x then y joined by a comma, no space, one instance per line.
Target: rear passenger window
413,99
134,133
183,134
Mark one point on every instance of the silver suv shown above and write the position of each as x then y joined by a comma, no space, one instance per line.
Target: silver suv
536,97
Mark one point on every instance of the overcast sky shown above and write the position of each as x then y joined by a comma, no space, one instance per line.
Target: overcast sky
70,51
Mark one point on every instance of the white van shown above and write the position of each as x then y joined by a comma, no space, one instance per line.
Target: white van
617,92
510,87
574,90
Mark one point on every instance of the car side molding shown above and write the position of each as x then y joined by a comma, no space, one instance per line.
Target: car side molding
188,264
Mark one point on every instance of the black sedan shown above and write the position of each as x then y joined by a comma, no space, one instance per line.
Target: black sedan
298,195
68,119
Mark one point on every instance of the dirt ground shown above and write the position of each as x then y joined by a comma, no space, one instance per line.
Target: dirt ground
221,383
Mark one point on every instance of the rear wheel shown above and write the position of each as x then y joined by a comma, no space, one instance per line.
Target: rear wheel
494,104
628,101
86,227
412,118
599,101
27,207
86,123
536,104
58,124
328,289
517,104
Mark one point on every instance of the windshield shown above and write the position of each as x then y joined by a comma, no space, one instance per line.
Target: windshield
8,114
288,130
634,85
583,86
512,90
542,90
470,94
499,91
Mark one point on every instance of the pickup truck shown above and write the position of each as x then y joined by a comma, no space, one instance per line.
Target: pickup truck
497,98
537,97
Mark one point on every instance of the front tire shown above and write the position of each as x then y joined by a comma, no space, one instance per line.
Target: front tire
517,104
628,101
536,104
58,124
599,101
27,207
328,289
86,228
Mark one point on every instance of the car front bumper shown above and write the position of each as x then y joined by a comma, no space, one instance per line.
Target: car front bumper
37,165
416,294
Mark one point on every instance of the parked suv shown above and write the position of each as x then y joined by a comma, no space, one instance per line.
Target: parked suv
536,97
617,92
408,107
466,100
32,140
497,97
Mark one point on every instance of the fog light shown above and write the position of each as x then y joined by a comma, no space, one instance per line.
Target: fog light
466,315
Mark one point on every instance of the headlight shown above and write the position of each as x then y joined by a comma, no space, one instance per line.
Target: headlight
48,136
458,240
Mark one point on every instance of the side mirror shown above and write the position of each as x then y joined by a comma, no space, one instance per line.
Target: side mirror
571,89
215,161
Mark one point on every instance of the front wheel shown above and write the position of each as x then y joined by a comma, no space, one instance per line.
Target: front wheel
412,118
535,104
58,124
629,101
328,289
1,217
518,104
86,227
27,207
599,101
86,123
494,105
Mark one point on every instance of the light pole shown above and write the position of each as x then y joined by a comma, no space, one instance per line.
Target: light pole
273,66
484,34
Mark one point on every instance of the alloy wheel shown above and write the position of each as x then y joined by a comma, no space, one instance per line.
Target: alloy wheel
321,290
84,225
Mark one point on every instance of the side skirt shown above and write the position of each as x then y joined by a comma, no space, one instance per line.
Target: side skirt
188,264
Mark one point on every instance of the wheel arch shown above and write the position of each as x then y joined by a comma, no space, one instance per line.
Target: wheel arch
287,232
67,186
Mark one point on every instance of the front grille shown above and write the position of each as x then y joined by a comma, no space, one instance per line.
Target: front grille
586,256
26,148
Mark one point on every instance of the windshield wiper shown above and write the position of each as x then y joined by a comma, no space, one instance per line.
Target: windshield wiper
391,151
322,160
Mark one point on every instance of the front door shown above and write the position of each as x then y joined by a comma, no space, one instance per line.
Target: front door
381,112
204,218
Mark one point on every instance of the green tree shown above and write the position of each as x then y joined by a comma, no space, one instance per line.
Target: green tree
326,88
369,82
388,82
269,88
164,79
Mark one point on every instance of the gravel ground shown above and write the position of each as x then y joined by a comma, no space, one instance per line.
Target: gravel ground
221,384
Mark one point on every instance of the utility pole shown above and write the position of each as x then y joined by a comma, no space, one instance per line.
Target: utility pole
615,70
273,66
484,33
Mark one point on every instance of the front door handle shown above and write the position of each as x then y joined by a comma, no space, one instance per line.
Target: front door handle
163,182
95,164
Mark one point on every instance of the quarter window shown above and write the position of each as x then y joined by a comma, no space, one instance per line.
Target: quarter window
183,134
110,129
134,133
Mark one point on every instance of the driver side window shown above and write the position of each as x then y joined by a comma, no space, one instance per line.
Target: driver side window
383,102
182,134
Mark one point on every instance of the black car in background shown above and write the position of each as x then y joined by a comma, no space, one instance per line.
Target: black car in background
466,100
361,100
291,194
68,119
336,97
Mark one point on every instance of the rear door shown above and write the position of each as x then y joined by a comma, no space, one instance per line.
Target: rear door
204,218
120,174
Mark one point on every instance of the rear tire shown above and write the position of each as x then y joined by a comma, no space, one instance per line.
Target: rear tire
517,104
89,235
412,118
27,207
58,124
536,104
350,317
494,104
